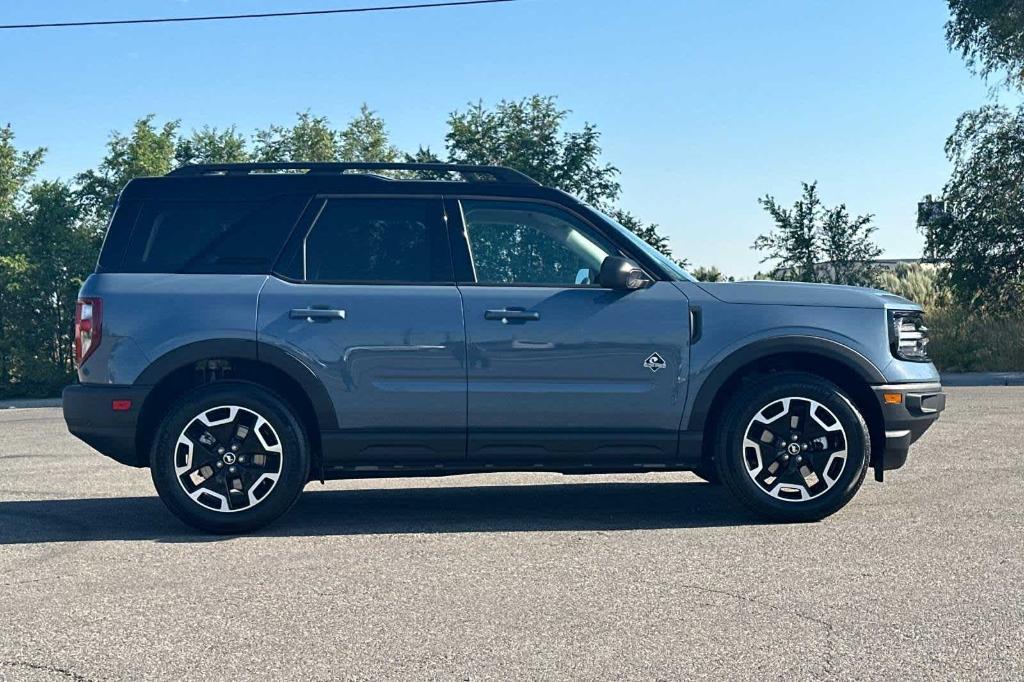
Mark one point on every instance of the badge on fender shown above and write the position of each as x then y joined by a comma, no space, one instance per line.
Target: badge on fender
655,362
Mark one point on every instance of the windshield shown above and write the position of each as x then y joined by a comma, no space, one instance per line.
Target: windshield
669,264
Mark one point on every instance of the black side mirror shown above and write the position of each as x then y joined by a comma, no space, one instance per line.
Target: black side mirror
622,273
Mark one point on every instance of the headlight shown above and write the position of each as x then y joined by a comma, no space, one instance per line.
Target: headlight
908,337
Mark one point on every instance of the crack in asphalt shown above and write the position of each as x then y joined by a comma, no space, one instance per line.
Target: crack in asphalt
830,629
29,581
70,674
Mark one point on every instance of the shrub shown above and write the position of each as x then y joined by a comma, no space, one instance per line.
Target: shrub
964,340
917,282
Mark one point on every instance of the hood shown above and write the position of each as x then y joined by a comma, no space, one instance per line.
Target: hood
767,292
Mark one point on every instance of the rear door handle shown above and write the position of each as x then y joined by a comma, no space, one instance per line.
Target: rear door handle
316,314
511,314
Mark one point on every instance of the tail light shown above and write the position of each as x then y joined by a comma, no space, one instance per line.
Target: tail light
88,327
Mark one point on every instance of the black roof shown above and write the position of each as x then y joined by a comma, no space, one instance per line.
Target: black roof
467,171
263,181
259,180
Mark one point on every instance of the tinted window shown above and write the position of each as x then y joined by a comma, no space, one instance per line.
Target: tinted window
210,236
378,240
522,243
119,232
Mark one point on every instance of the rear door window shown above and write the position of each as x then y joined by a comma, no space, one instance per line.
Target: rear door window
236,237
369,240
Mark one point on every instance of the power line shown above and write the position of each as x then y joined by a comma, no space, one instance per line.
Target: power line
265,15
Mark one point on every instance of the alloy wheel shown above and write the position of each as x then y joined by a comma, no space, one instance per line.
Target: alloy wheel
795,449
228,458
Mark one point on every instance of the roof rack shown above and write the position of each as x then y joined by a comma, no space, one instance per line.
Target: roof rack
498,173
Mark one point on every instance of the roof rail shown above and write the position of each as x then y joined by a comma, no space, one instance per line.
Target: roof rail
499,173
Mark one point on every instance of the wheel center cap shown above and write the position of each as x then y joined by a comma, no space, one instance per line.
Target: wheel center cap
229,458
794,448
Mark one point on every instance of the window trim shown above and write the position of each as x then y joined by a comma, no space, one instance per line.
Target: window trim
306,224
464,243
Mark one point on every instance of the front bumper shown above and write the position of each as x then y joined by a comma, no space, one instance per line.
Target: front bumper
905,421
90,416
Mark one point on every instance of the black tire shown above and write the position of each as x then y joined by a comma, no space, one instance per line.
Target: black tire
708,473
288,457
739,465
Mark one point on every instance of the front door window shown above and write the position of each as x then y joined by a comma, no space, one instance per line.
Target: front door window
516,242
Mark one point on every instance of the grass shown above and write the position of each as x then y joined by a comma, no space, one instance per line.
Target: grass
964,341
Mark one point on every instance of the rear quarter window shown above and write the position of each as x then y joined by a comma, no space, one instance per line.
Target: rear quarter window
214,237
119,231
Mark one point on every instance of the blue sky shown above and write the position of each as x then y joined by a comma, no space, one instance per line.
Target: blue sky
704,106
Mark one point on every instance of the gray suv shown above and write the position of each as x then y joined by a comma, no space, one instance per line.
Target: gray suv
252,327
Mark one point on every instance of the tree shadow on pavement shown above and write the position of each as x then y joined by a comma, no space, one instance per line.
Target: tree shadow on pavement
499,508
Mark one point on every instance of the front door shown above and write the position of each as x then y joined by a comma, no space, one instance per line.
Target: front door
367,301
562,370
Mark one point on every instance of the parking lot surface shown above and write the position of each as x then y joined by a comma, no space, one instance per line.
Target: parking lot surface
520,576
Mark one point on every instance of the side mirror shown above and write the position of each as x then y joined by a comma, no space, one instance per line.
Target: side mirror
622,273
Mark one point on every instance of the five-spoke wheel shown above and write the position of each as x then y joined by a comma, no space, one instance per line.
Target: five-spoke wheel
230,457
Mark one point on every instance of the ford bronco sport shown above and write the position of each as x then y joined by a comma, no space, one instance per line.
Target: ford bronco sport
252,327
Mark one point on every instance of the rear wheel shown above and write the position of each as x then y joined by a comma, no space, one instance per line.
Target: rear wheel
793,447
230,458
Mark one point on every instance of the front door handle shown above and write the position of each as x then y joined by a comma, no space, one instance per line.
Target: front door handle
316,314
515,314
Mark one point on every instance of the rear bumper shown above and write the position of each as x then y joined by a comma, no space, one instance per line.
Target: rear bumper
89,414
907,420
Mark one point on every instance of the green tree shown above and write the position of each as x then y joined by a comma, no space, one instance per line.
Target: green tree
710,274
310,139
812,243
14,268
847,247
210,145
646,231
793,244
422,155
425,155
980,234
45,254
16,171
366,139
147,150
529,135
989,35
59,250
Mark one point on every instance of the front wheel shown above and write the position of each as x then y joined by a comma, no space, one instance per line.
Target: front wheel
707,473
230,458
793,447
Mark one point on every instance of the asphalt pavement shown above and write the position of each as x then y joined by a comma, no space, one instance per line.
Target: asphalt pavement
520,576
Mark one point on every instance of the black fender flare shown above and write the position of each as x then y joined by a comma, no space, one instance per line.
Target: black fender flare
247,349
726,368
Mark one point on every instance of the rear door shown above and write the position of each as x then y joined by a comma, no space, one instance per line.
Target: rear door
560,368
366,299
